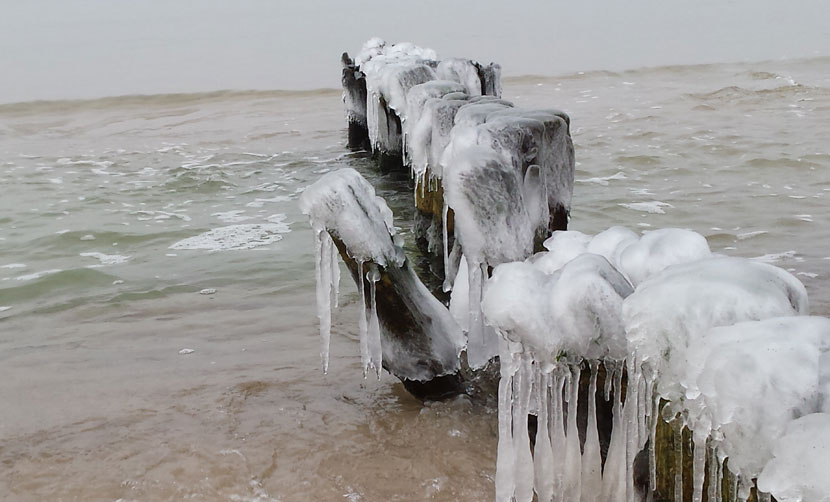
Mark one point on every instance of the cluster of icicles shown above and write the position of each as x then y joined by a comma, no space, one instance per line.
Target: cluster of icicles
328,281
560,467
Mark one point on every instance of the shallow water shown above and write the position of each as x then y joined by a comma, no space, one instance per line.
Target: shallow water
102,283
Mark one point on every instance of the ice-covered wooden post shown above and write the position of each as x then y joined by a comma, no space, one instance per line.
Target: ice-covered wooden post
354,99
676,355
466,148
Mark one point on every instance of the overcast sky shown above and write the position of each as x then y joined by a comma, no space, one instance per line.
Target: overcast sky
54,49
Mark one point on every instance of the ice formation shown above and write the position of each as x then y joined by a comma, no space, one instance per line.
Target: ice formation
642,319
748,381
550,320
399,79
671,311
506,173
677,336
343,209
503,179
637,258
801,461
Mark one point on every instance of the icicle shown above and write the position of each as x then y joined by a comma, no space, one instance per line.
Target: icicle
522,388
335,275
744,488
643,401
698,465
591,457
733,495
505,463
447,281
557,435
613,482
678,459
573,461
405,157
631,427
323,265
452,265
479,339
713,475
372,118
719,486
609,379
652,462
543,453
375,351
362,321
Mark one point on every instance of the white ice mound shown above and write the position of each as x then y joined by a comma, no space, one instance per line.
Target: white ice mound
377,49
670,311
345,204
748,381
659,249
563,246
638,258
573,312
799,470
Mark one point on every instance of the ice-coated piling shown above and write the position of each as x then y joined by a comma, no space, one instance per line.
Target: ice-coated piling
403,328
725,387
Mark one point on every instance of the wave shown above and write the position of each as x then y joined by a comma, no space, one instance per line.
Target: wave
734,92
746,66
157,100
183,99
57,245
54,283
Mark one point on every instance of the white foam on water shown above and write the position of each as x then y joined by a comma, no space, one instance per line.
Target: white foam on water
652,207
775,257
749,235
38,275
235,216
107,259
5,308
261,202
604,180
14,265
235,237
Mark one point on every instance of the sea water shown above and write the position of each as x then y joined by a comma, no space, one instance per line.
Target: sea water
158,331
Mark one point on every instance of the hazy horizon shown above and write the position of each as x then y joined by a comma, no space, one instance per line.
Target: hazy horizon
97,48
